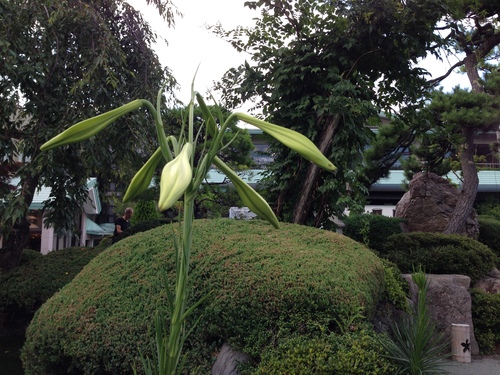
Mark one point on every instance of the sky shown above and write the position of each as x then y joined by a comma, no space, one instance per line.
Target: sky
191,45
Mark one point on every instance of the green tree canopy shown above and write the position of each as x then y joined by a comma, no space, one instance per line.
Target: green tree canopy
326,69
61,62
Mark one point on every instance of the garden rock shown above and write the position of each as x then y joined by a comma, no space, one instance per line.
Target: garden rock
449,302
228,360
490,283
429,204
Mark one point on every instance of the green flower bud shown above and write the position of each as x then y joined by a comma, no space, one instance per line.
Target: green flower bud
292,140
87,128
175,178
143,177
249,196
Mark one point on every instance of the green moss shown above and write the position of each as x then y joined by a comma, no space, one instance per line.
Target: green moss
266,285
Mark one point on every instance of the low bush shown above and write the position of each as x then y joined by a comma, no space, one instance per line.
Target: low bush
396,289
143,226
489,234
439,254
27,287
266,286
486,319
371,230
357,352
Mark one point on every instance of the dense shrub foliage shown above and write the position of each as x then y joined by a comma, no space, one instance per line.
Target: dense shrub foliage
357,352
486,319
266,286
439,253
396,288
143,226
25,288
489,234
371,230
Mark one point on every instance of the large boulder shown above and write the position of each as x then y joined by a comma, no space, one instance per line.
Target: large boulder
490,283
428,205
449,302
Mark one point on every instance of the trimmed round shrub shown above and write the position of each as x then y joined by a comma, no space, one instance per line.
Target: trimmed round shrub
266,285
486,319
25,288
439,254
489,234
371,230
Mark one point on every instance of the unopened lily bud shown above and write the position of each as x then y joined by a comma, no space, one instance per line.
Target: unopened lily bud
87,128
143,177
249,196
292,140
175,178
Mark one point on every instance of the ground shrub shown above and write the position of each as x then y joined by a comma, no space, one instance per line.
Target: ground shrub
25,288
358,352
395,287
143,226
489,234
266,285
486,319
371,230
439,254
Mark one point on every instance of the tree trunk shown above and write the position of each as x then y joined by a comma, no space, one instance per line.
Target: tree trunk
467,196
309,185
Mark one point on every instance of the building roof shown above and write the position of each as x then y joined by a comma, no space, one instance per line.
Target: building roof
92,206
489,181
97,230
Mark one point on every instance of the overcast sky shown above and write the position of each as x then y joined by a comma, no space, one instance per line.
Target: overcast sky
190,44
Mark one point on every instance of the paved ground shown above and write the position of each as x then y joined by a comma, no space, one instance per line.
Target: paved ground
486,365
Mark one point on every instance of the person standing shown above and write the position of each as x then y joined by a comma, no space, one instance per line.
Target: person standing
122,223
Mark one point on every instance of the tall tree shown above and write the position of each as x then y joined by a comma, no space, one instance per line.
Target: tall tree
326,69
61,62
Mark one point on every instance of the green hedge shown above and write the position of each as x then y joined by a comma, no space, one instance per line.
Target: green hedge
439,253
486,319
267,285
25,288
371,230
489,234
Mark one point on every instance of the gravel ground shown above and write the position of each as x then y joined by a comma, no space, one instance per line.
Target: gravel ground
485,365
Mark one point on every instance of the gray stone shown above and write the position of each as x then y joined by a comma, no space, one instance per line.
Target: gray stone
490,283
227,361
449,302
428,205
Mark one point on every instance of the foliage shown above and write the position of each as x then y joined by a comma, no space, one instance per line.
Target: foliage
395,287
144,210
289,282
489,234
143,226
326,69
486,319
61,62
27,287
439,253
415,343
371,230
356,352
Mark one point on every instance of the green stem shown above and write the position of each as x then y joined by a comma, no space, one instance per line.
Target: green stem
181,288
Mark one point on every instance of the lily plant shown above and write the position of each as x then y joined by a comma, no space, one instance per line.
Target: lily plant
181,178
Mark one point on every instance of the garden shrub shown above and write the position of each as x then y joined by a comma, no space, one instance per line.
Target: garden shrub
371,230
266,285
396,289
27,287
439,254
489,234
358,352
486,319
142,227
145,210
